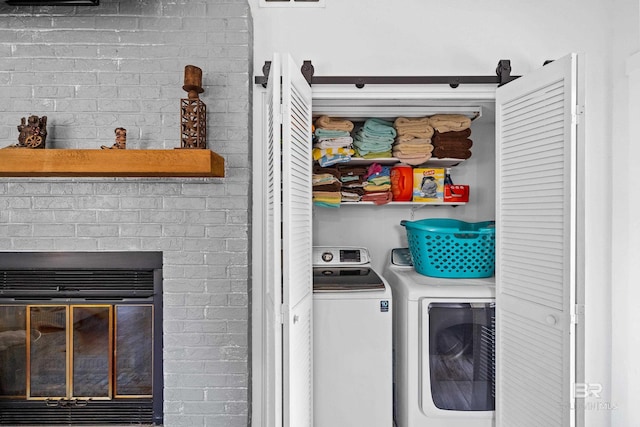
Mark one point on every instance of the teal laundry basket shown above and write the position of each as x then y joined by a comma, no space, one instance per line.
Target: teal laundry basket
444,247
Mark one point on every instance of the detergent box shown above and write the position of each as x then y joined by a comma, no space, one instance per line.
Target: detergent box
428,185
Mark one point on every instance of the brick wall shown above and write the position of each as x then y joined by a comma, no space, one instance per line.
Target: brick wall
91,69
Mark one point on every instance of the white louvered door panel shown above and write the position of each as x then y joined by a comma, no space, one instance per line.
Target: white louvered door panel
297,247
272,353
535,271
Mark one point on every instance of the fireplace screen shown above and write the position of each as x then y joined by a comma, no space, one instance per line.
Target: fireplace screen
92,358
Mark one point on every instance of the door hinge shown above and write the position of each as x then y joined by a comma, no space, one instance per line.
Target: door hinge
578,314
578,114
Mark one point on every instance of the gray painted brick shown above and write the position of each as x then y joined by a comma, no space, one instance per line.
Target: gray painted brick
121,64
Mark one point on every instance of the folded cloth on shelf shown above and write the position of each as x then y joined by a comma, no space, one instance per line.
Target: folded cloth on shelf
373,188
412,127
412,159
352,174
318,153
344,141
461,134
349,196
330,198
449,122
378,198
334,123
323,179
443,152
409,122
334,186
376,155
454,144
379,127
329,133
332,159
408,148
335,171
412,140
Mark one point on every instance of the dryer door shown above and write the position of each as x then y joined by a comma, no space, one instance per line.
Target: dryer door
457,360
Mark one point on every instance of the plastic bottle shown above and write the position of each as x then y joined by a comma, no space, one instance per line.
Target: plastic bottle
448,180
447,177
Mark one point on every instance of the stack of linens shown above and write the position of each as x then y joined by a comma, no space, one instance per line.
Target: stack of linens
413,141
451,137
374,139
332,141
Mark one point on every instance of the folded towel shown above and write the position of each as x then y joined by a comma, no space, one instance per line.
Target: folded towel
379,127
344,141
333,123
406,148
329,133
441,153
461,134
413,159
454,144
318,153
378,198
411,122
335,186
449,122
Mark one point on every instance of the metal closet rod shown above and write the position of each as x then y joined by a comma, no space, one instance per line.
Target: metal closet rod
503,76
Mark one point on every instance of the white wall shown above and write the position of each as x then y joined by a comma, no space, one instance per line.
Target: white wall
464,37
625,341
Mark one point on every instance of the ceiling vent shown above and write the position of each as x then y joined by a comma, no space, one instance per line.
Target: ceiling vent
53,2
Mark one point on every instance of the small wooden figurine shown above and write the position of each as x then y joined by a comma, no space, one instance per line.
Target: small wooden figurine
121,140
32,132
193,112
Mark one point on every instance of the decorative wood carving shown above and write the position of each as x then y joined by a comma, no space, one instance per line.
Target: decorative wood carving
121,140
32,132
193,112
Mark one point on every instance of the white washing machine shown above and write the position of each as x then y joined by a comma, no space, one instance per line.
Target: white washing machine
352,341
444,340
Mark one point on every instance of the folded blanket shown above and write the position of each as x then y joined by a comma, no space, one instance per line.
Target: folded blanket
449,122
333,123
441,153
454,144
334,186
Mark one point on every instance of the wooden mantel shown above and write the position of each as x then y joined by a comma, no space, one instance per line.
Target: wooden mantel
26,162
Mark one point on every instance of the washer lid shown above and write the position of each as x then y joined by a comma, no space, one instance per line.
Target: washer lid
346,279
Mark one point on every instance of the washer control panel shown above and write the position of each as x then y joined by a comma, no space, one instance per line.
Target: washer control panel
340,256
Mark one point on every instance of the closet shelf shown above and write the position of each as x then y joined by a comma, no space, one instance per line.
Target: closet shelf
25,162
432,162
405,203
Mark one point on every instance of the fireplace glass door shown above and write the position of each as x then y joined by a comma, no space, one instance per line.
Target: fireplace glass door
76,352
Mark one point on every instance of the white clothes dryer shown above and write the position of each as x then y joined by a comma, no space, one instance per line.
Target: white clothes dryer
444,340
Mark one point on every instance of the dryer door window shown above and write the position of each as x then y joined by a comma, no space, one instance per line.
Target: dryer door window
461,356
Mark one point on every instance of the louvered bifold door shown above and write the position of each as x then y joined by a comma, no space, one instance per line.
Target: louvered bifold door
272,351
297,246
535,271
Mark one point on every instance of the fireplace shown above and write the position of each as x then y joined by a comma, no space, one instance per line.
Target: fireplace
81,338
